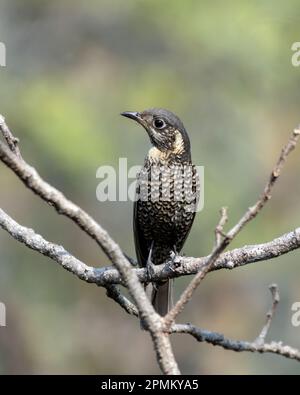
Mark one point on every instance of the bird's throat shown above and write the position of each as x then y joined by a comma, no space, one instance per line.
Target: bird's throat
164,156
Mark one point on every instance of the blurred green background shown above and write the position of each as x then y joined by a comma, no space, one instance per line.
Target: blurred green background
72,67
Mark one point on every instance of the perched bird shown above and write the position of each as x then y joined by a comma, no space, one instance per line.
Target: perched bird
167,196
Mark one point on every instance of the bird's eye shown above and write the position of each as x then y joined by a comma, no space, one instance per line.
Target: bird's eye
159,123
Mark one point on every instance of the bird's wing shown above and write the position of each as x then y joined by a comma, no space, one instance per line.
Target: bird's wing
181,236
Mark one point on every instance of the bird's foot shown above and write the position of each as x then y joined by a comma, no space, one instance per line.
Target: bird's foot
175,260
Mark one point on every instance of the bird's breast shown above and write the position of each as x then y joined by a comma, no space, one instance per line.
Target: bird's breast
167,196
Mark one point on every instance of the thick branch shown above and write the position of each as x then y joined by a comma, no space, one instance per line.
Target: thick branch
108,275
66,260
235,258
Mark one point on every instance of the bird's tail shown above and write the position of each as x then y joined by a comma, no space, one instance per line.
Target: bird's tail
162,297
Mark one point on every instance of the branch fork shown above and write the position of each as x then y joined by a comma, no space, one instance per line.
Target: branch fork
125,272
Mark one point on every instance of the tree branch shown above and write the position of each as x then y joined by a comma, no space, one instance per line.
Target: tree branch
219,228
217,339
114,293
108,275
11,140
66,260
260,340
158,327
152,321
258,345
99,277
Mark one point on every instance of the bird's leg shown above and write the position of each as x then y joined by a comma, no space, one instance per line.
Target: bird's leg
149,264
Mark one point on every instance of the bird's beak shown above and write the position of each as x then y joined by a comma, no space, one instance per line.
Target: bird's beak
132,115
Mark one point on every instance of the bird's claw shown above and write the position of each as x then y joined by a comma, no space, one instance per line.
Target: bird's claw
175,260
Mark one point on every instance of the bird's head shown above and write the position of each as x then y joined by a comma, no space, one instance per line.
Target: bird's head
166,132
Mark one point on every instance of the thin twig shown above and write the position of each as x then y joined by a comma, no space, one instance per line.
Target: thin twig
260,340
248,216
218,339
219,228
266,195
258,345
10,139
114,293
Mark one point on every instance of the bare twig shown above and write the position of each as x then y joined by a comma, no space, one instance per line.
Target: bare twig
219,228
248,216
258,345
11,140
217,339
114,293
266,195
260,340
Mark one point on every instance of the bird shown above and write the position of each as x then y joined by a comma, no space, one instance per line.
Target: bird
167,196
